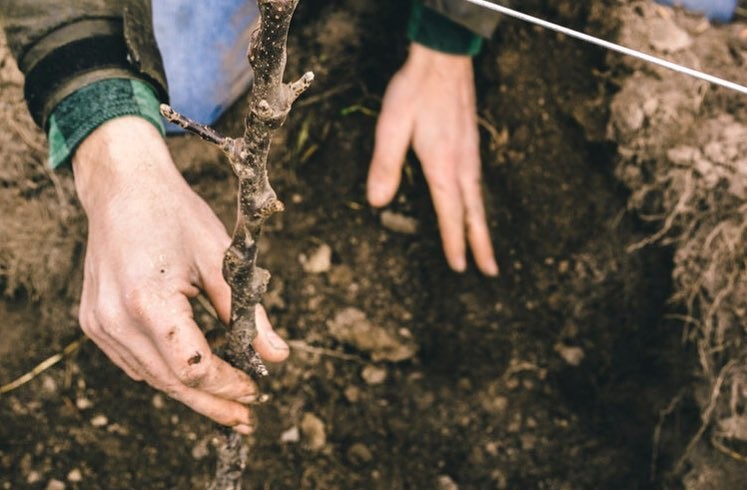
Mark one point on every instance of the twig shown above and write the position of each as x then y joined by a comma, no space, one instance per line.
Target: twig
307,101
716,441
270,102
663,414
303,346
43,366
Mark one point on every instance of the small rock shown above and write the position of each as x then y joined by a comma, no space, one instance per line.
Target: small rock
495,405
291,435
83,403
500,479
445,482
33,477
373,375
350,326
665,36
157,401
55,485
352,394
99,420
574,356
201,449
399,223
313,431
75,476
49,385
319,261
359,455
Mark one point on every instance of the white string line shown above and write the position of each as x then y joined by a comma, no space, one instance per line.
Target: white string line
610,45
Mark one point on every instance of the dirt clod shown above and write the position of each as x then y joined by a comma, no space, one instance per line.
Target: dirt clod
351,326
374,375
318,261
55,485
399,223
313,432
75,476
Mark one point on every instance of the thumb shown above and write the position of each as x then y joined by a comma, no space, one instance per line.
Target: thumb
268,344
393,133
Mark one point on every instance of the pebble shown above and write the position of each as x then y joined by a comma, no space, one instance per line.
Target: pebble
33,477
574,356
359,455
201,449
49,385
351,326
291,435
665,36
352,394
445,482
158,401
83,403
75,476
399,223
373,375
99,420
319,262
313,431
55,485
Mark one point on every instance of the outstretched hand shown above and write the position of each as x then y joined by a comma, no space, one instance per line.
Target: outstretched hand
153,244
430,104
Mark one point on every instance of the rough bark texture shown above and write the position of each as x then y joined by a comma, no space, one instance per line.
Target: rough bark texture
269,104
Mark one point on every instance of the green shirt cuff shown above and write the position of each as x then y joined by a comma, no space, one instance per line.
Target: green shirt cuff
91,106
431,29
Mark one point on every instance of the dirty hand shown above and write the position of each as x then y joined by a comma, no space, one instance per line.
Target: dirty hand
430,103
153,244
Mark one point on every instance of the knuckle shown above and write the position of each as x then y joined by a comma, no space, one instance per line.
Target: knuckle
107,315
137,302
194,375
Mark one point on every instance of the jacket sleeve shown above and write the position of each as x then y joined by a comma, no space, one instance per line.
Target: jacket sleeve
475,18
62,46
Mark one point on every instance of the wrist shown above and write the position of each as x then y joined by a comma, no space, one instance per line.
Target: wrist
423,59
122,156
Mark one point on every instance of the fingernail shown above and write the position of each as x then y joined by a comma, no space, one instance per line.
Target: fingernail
491,269
248,399
244,429
375,193
276,342
459,264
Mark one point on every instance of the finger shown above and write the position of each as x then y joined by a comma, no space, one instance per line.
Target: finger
268,344
213,282
447,201
186,352
119,358
159,375
393,133
478,233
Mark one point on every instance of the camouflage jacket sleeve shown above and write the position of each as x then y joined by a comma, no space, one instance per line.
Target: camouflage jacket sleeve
477,19
62,46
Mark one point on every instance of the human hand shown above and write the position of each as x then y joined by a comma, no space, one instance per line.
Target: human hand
152,244
430,103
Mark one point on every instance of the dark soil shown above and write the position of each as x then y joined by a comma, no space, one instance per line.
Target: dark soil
550,377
